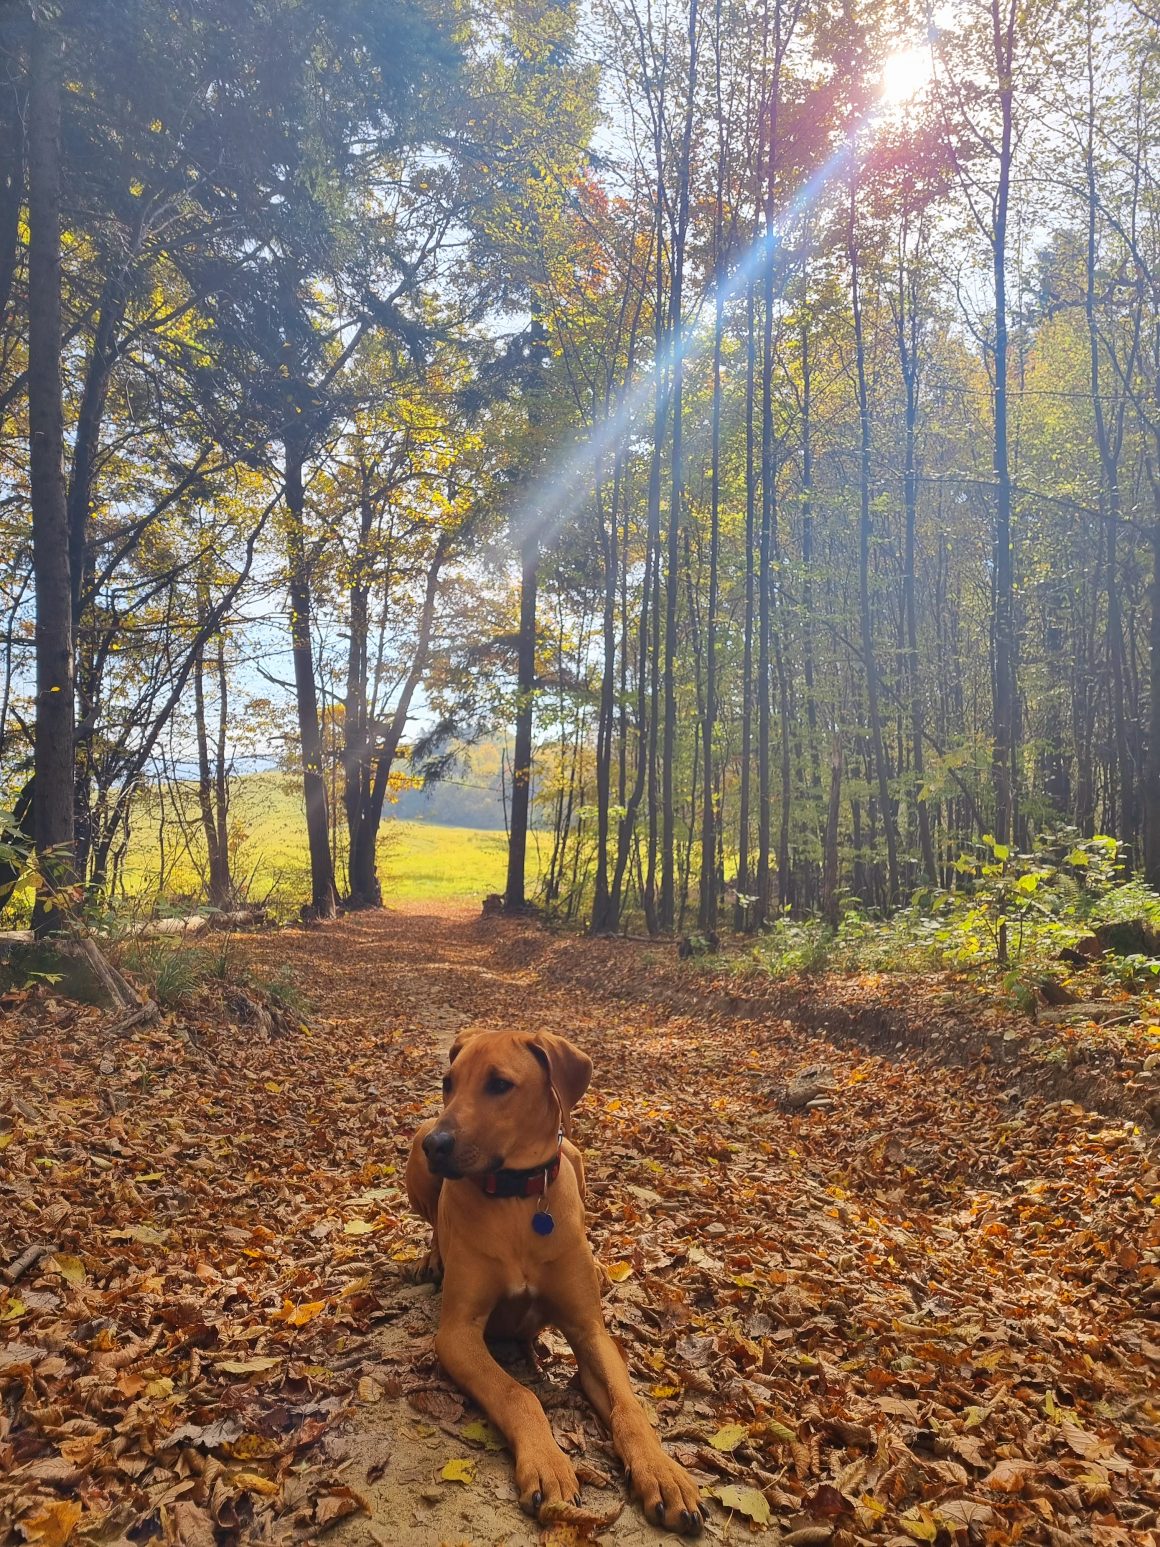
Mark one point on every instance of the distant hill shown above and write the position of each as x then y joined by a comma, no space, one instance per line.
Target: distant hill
470,797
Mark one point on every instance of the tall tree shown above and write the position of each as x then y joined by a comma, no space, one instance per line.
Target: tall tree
53,803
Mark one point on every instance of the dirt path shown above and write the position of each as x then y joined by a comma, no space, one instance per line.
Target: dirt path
923,1309
928,1267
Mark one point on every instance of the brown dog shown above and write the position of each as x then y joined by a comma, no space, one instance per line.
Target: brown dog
503,1188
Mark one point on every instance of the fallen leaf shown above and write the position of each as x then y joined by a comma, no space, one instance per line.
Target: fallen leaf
71,1269
460,1470
254,1482
53,1525
729,1437
1010,1476
251,1366
743,1501
299,1315
480,1432
619,1271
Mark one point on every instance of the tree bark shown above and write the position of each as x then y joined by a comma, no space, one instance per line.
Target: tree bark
743,881
666,911
54,749
830,848
864,536
515,899
1003,757
707,910
365,890
1152,764
323,898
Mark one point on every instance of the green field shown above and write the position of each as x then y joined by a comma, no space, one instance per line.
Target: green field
418,861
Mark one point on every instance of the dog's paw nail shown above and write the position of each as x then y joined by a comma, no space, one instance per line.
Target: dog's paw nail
576,1500
537,1500
660,1513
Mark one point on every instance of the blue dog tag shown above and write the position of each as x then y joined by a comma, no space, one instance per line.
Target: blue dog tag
542,1222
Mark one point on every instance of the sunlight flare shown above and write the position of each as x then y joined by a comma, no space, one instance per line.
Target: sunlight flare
904,74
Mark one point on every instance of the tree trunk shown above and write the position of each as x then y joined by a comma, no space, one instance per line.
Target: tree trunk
864,535
365,890
54,750
356,752
211,782
707,911
323,901
1152,763
743,881
830,848
1003,757
1109,440
13,112
666,912
515,900
908,340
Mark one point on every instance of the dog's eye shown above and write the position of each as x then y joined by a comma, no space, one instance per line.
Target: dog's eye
498,1086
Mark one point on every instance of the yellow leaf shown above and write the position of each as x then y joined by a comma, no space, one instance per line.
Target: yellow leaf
249,1366
480,1432
161,1387
273,1087
461,1470
919,1524
369,1390
53,1525
13,1310
251,1447
254,1482
729,1437
150,1176
661,1392
357,1227
619,1271
6,1139
71,1269
746,1501
298,1315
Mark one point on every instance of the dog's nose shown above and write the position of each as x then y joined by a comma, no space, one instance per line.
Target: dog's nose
438,1144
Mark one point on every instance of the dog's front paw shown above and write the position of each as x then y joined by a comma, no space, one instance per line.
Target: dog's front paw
545,1477
667,1494
427,1269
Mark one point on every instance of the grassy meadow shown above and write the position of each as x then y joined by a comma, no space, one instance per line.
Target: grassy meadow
419,861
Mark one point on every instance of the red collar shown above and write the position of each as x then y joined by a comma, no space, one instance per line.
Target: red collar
528,1182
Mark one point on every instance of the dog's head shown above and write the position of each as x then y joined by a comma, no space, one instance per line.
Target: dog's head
505,1094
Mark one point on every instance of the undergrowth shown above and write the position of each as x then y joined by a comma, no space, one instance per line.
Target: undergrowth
175,973
1010,915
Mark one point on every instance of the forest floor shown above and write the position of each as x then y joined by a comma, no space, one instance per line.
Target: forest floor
923,1309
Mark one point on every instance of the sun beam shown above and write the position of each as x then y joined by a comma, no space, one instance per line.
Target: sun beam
904,74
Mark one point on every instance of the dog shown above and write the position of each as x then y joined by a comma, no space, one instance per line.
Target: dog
502,1186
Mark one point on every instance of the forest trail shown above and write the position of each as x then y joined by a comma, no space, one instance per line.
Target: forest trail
924,1308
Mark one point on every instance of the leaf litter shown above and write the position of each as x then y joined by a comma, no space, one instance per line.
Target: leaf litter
921,1307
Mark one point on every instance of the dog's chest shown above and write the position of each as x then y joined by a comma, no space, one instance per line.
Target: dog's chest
520,1314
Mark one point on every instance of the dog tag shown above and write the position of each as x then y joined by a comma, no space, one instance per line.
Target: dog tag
542,1222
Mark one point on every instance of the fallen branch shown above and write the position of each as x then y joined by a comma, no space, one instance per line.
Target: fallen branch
28,1258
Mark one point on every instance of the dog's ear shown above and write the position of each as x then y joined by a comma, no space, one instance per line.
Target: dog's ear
462,1038
568,1068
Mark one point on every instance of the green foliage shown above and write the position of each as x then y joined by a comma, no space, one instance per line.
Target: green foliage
172,972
